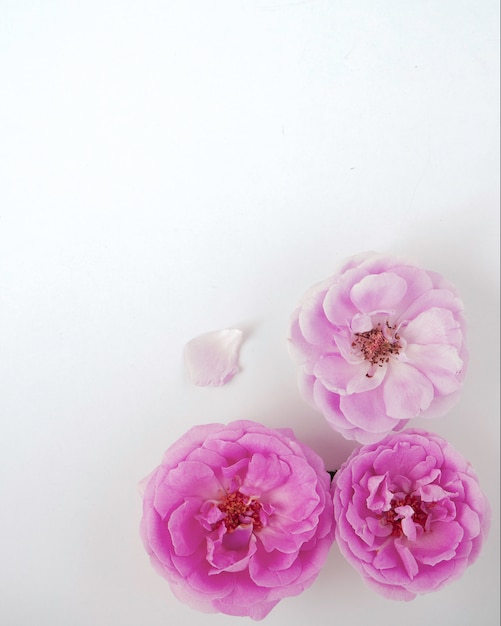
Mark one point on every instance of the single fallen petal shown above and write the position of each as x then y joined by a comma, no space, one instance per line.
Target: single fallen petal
211,359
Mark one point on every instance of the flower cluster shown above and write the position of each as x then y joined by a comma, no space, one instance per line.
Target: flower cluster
239,516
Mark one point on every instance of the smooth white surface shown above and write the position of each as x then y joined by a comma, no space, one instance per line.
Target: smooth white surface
170,168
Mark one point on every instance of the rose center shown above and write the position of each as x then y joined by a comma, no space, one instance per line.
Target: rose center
378,344
393,518
240,509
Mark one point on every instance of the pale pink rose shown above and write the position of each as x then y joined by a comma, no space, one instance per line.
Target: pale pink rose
410,514
379,343
238,517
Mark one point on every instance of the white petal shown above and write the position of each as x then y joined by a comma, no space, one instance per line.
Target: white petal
211,359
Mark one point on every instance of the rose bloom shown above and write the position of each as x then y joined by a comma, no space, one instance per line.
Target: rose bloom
410,515
379,343
238,517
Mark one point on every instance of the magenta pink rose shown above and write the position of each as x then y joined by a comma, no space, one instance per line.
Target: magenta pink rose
379,343
238,517
410,514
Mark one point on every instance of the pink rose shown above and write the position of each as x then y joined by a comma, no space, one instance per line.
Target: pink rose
410,515
238,517
379,343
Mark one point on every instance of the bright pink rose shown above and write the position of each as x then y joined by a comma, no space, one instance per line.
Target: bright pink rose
410,515
380,342
238,517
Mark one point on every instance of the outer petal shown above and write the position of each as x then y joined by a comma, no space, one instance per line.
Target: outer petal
378,292
185,530
232,553
440,363
439,544
346,378
434,326
368,411
315,327
418,282
338,305
434,298
300,351
344,413
265,473
406,391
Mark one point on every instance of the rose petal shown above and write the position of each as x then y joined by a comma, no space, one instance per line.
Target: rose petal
400,459
439,544
263,570
346,378
300,351
406,391
380,496
418,282
184,528
378,292
337,304
265,473
387,558
433,577
231,552
432,493
188,478
440,363
410,564
440,298
246,600
314,325
469,520
378,529
361,323
433,326
367,410
211,359
329,404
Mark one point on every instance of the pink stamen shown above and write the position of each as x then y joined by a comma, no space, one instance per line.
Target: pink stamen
240,509
377,345
391,517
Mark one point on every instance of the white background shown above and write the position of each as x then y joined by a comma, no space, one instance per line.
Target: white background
169,168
